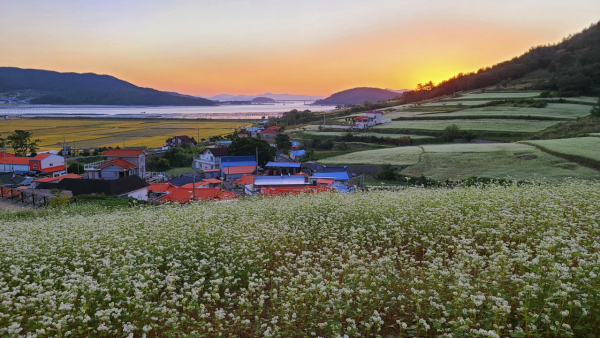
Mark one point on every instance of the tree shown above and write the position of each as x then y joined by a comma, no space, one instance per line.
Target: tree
179,156
247,146
387,172
596,110
162,164
283,142
451,132
21,142
76,168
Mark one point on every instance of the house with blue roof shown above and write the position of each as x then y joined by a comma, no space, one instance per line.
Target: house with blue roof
297,154
234,167
340,177
282,168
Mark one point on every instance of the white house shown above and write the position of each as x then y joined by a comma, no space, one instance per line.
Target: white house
371,118
210,158
119,163
48,163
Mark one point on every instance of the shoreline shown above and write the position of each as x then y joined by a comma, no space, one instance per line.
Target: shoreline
222,112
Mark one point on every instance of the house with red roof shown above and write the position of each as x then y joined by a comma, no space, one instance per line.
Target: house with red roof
371,118
119,163
268,134
55,179
176,141
185,195
46,163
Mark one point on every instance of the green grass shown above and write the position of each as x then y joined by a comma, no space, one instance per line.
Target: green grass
575,128
553,110
585,147
442,103
340,133
459,161
180,171
494,125
496,96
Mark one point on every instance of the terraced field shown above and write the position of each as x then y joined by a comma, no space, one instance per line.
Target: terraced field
497,96
90,133
553,110
459,161
341,133
495,125
584,147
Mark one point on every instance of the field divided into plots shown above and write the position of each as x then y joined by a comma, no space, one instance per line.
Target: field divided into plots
488,125
460,161
92,133
584,147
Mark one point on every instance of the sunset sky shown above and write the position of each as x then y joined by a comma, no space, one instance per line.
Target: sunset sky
300,47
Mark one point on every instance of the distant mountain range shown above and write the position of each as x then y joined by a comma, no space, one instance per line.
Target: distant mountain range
359,96
227,97
88,89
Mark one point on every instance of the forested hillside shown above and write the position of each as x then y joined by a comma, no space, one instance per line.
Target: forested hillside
89,88
358,96
573,67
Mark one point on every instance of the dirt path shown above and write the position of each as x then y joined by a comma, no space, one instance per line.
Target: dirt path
10,205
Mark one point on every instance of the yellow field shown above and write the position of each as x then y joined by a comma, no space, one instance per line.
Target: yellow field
91,133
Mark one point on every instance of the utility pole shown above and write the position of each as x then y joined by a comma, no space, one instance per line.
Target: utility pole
4,153
198,139
193,181
257,160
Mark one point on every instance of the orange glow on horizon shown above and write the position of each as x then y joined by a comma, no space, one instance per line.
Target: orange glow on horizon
395,54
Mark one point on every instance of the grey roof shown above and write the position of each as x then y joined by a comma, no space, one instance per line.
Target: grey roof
280,180
11,179
79,186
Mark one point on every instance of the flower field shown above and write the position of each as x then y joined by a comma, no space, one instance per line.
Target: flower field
520,261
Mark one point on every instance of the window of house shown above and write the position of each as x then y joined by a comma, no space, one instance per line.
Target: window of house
51,164
35,165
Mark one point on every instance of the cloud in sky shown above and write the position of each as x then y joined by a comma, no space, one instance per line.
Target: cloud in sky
309,47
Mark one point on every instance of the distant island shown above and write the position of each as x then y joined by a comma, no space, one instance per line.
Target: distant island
358,96
48,87
262,100
227,97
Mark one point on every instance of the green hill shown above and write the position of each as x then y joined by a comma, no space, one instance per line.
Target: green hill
358,96
569,68
87,89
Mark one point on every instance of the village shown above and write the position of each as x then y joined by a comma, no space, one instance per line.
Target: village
216,174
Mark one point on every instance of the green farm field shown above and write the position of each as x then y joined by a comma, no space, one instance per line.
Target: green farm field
459,161
496,96
553,110
584,147
495,125
455,103
340,133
